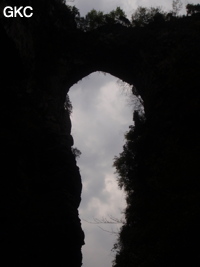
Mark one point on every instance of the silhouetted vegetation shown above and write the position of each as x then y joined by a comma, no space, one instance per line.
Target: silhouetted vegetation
95,19
193,9
141,17
77,153
68,105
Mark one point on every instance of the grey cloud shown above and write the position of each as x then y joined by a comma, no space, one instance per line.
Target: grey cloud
103,5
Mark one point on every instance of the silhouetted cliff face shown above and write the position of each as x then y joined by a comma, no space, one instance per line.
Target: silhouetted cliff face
41,58
162,216
40,182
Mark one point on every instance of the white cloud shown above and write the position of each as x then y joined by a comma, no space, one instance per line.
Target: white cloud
128,6
99,120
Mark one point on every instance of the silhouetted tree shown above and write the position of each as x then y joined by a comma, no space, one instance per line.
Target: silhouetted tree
192,9
176,7
143,16
77,153
95,19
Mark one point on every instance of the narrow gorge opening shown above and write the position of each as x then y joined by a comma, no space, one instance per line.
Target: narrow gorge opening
102,112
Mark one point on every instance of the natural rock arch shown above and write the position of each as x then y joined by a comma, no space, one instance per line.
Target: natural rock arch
41,185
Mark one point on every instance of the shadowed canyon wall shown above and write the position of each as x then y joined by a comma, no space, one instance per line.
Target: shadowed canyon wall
41,58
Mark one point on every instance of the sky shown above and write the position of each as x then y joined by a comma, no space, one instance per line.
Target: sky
102,113
128,6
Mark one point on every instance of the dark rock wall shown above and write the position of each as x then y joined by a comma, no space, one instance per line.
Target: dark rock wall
163,212
40,182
